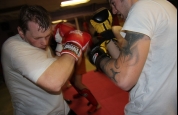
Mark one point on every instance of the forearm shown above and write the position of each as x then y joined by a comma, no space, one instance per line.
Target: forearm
57,74
113,50
125,71
116,73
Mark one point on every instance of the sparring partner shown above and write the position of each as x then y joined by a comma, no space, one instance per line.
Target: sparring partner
57,47
147,64
34,78
102,21
61,30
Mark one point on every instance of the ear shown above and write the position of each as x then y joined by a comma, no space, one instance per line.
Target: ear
21,33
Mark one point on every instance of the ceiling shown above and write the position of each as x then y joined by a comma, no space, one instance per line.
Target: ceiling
9,9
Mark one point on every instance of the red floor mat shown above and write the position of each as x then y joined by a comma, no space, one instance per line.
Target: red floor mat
111,97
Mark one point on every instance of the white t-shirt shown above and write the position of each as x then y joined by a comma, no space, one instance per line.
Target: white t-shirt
22,65
156,90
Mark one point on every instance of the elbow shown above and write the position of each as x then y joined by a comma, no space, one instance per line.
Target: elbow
55,88
125,85
51,84
51,87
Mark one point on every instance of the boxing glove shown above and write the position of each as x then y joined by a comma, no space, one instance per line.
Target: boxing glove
102,23
75,42
61,29
97,53
101,20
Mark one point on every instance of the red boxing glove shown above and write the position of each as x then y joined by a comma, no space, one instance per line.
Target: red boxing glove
60,31
63,28
75,43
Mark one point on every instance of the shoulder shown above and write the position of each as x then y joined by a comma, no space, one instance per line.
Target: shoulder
146,17
13,41
147,7
16,47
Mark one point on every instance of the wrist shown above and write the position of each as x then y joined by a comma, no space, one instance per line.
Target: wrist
101,62
58,49
73,50
69,57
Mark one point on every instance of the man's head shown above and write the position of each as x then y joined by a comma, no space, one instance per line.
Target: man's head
35,26
121,7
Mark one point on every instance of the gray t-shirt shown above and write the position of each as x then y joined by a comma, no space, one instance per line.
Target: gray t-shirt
22,65
156,90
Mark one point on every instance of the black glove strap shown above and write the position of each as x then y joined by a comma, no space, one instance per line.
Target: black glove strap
108,34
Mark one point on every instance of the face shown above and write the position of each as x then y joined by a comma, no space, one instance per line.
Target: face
36,36
120,7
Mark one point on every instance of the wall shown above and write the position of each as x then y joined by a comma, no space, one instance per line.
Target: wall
7,29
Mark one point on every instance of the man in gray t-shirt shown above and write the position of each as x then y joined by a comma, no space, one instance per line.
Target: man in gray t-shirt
34,78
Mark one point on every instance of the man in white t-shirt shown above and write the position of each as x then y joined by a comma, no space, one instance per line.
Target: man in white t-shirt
34,78
147,64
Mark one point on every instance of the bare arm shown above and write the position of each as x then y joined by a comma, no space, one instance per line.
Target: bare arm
57,74
121,41
125,70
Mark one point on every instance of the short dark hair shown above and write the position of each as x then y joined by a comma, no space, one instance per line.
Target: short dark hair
35,13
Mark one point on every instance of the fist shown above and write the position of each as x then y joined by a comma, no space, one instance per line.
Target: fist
75,43
60,31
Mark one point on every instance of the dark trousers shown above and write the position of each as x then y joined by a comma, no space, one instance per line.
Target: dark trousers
71,112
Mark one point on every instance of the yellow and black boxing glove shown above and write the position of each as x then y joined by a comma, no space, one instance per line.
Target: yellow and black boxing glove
102,23
101,20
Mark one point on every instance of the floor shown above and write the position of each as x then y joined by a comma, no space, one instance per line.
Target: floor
111,98
5,103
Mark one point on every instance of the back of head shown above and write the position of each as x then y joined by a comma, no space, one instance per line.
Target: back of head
37,14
